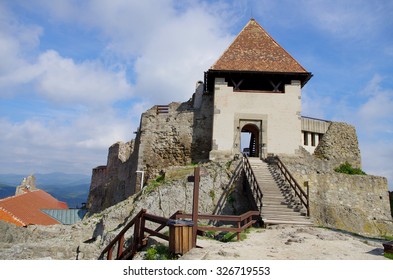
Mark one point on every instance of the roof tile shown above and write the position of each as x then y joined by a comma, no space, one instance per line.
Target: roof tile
24,209
255,50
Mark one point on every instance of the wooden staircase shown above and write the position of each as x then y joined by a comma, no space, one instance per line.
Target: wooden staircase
279,203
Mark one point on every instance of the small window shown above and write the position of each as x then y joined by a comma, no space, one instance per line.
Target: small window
320,135
313,139
305,138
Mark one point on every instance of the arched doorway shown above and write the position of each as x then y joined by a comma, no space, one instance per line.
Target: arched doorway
250,140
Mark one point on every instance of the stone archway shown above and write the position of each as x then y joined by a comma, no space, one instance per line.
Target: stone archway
253,146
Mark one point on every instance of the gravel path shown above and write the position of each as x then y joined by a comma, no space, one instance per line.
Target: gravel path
291,243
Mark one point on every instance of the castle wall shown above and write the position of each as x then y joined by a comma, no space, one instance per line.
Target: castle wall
175,135
179,136
279,114
115,181
355,203
340,145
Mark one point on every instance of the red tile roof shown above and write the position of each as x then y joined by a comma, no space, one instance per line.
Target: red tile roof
26,208
255,50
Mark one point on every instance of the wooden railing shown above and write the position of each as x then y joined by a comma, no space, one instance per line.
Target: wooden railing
243,221
252,180
138,239
138,223
162,109
304,196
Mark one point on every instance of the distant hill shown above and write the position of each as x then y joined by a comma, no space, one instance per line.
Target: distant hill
6,190
70,188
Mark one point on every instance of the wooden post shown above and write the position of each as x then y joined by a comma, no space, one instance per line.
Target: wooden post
120,246
308,198
195,205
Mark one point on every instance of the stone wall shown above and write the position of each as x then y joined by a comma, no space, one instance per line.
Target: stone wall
28,184
355,203
340,144
179,137
176,136
113,182
166,138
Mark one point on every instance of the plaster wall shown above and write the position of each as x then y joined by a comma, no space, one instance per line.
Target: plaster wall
278,113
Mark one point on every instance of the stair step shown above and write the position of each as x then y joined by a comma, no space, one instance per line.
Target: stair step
277,209
280,206
277,222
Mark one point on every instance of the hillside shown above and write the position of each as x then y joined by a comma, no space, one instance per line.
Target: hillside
6,190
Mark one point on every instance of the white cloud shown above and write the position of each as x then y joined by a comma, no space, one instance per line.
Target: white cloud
62,80
171,45
181,51
375,114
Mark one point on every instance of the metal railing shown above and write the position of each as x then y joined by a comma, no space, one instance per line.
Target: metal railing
304,196
252,180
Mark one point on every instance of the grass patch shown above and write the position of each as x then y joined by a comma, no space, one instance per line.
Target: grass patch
388,255
226,236
346,168
212,194
158,252
228,164
387,237
154,184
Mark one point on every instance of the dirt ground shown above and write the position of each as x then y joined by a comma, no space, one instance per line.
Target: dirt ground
287,242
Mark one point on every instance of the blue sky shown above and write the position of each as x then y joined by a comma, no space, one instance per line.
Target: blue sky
76,75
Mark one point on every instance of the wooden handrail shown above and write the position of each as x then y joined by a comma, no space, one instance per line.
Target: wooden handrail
138,222
303,196
252,180
245,218
230,218
120,237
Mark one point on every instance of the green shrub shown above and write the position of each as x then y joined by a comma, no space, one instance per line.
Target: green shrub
154,184
388,255
159,252
212,195
346,168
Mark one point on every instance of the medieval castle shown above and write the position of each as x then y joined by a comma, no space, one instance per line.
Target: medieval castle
254,88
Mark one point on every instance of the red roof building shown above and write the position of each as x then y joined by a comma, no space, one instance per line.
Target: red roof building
25,209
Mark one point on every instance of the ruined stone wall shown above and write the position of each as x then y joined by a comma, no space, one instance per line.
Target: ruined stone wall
340,144
355,203
112,183
176,136
179,137
28,184
166,139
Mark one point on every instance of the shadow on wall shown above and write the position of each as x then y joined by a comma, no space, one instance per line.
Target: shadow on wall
233,200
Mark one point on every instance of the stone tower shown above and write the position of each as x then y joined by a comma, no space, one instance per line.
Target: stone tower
257,89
